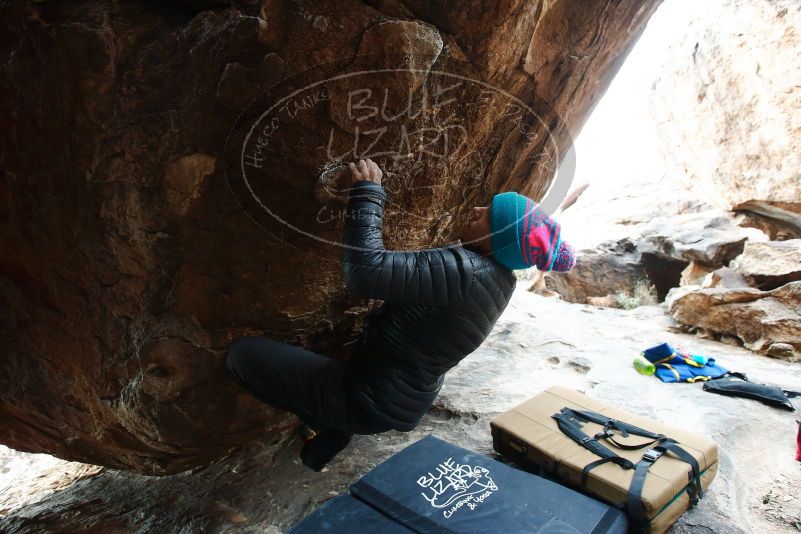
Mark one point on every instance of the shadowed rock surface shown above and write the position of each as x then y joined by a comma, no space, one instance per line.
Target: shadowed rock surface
131,259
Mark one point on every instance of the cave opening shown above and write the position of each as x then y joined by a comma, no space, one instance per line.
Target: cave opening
664,273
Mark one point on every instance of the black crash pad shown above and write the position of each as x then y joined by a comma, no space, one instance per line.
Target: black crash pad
433,486
347,515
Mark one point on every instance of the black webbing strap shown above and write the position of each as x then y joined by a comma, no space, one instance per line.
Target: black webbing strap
572,429
607,422
671,445
606,522
569,422
634,507
625,447
610,424
585,473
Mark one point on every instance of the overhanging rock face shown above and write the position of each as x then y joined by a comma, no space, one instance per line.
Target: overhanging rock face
153,210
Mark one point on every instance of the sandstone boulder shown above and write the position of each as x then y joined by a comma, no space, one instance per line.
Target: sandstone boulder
694,274
775,229
770,264
724,278
657,251
708,238
158,167
610,269
766,321
728,105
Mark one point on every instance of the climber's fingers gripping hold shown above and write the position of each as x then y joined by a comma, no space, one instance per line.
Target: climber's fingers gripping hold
365,170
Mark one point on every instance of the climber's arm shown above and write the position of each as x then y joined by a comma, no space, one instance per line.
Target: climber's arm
434,277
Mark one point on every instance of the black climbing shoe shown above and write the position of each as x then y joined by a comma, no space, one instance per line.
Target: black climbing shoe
321,449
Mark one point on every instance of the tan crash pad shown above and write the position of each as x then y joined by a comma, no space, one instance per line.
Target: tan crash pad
528,435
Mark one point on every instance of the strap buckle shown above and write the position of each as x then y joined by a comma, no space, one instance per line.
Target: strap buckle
652,455
605,433
616,425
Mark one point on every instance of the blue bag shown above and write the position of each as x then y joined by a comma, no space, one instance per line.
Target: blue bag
678,365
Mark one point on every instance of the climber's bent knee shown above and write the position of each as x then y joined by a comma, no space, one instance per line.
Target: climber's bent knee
313,386
244,355
237,352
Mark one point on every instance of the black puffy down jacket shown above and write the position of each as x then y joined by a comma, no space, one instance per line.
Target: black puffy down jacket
439,306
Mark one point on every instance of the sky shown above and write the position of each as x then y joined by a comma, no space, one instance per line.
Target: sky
617,150
618,142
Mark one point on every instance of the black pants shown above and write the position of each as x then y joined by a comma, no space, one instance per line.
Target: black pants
312,386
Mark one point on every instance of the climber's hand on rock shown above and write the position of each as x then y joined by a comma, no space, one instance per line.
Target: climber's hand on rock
365,170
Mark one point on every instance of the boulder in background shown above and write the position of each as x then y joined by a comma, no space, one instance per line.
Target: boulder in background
768,322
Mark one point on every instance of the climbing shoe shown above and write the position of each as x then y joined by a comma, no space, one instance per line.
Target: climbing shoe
323,447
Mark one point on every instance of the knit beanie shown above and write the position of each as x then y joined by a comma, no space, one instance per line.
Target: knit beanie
523,235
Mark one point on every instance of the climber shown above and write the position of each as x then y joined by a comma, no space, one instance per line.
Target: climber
439,306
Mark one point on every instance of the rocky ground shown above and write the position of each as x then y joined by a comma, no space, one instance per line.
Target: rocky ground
537,343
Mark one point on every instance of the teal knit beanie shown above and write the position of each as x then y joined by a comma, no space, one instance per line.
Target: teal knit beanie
523,235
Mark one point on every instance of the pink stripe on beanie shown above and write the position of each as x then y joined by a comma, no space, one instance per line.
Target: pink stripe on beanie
523,235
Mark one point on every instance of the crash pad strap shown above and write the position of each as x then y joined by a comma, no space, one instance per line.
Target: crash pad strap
634,506
607,422
585,473
606,522
569,427
568,421
633,447
673,446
